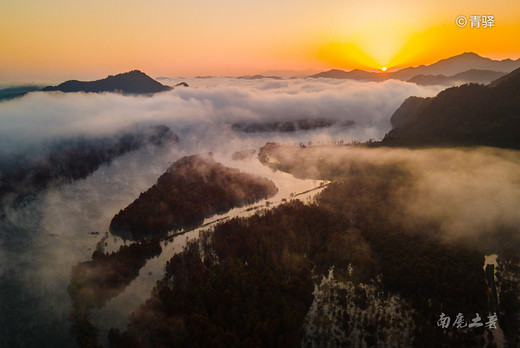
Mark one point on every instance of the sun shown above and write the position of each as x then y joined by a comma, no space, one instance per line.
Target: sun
383,68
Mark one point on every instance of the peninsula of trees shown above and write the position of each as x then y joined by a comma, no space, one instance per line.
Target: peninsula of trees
193,188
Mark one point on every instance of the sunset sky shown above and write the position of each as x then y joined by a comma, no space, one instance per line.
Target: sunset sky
53,40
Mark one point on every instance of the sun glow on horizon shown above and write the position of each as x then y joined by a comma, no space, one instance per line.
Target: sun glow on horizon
383,69
56,39
371,45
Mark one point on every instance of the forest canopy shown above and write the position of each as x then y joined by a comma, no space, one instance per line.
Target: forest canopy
193,188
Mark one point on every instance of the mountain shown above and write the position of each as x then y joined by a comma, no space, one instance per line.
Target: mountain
458,64
289,126
462,63
192,189
16,92
355,74
509,79
408,108
258,77
24,175
472,75
467,115
133,82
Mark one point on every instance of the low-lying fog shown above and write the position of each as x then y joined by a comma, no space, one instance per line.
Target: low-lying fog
202,115
43,239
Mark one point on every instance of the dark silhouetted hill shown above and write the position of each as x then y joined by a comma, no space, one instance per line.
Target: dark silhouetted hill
133,82
24,175
511,80
193,188
409,107
470,114
16,92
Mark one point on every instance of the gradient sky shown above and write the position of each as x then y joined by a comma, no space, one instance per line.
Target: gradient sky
53,40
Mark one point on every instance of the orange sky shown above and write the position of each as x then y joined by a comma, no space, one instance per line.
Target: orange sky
56,39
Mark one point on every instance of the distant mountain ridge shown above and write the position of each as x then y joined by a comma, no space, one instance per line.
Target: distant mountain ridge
290,126
132,82
355,74
467,115
258,77
17,91
458,64
462,68
472,75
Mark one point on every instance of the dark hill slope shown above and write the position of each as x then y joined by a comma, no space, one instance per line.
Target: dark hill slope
24,175
133,82
193,188
467,115
16,92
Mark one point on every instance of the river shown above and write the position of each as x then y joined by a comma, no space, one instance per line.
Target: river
63,225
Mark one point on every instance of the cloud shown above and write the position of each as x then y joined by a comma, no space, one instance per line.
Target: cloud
471,193
200,111
468,194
